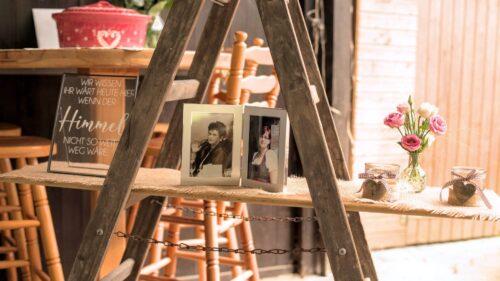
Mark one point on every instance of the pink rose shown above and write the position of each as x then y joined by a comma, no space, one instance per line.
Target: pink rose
437,125
403,107
411,142
394,120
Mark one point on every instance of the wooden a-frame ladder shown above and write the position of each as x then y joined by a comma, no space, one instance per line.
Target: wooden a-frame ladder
310,117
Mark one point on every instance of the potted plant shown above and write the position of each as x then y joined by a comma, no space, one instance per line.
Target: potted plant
152,8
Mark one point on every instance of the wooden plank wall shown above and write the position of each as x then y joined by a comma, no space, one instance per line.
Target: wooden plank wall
446,53
386,39
458,70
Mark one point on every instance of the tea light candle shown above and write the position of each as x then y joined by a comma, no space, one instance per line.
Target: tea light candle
465,193
380,180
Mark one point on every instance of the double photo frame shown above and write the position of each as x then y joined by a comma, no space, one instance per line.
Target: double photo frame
233,145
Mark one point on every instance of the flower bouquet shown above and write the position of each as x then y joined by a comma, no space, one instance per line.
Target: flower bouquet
417,129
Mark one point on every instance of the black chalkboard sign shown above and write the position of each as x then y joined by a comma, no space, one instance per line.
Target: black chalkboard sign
91,116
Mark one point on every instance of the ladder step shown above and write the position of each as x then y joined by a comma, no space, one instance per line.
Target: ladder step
182,89
156,278
181,220
121,272
227,224
7,249
11,264
201,241
16,224
150,268
201,256
9,209
243,276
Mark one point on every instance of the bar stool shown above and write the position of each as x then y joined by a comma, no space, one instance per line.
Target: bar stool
34,206
9,130
10,263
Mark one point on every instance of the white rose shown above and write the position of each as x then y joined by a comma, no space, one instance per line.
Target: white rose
426,110
430,140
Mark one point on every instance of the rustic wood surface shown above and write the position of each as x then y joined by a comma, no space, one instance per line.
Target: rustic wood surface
310,139
331,134
166,182
181,89
121,272
132,146
202,68
90,58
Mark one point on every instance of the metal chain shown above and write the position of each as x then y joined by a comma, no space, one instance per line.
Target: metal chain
184,246
240,217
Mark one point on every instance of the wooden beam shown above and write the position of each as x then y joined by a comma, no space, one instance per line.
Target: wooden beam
339,31
207,53
182,89
133,143
332,137
121,272
310,138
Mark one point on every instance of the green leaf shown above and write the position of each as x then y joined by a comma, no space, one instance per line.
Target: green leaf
157,8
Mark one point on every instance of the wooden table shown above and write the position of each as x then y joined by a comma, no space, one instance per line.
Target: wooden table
55,60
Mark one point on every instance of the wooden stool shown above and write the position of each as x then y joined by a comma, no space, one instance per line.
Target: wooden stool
210,231
9,130
35,206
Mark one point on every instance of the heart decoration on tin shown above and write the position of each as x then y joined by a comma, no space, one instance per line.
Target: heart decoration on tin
109,38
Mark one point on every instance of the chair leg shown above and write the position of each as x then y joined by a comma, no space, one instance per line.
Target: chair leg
11,272
202,268
19,234
211,237
156,249
28,208
232,243
173,236
247,243
48,235
132,214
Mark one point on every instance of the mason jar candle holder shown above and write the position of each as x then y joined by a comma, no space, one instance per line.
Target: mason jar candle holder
380,181
464,192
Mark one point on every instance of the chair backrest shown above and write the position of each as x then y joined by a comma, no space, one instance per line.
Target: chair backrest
243,80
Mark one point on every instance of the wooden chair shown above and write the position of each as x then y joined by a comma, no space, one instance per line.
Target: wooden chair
29,204
243,80
213,231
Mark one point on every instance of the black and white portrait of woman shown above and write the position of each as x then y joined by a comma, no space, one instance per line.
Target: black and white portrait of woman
210,155
263,165
265,138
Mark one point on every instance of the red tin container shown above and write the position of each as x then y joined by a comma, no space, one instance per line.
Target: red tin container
101,25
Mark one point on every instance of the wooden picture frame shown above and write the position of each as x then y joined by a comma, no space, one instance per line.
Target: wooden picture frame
211,144
265,127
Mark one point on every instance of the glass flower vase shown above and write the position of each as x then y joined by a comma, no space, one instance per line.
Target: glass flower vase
413,178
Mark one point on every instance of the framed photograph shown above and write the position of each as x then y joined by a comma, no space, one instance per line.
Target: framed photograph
265,150
211,144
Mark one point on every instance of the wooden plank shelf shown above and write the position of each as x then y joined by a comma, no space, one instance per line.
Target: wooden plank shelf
90,58
166,182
